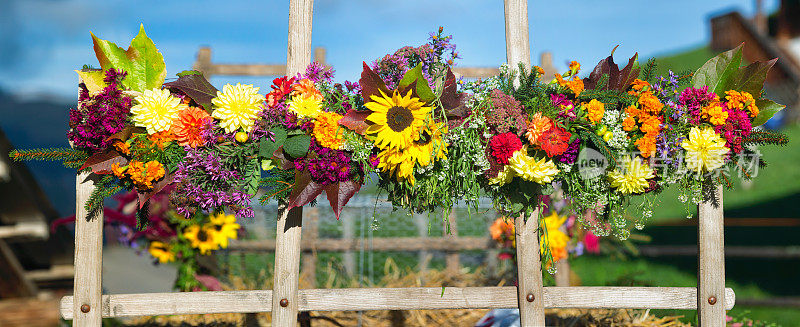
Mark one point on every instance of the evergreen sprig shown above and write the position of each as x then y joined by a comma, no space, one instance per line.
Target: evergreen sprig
601,146
649,71
765,137
104,188
70,158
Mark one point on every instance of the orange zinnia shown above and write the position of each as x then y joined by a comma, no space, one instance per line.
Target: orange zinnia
537,126
639,85
189,125
629,124
647,145
501,227
650,103
162,138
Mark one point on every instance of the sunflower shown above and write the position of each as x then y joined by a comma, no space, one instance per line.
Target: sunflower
202,239
430,145
705,150
225,227
237,107
155,110
396,120
161,251
632,178
397,162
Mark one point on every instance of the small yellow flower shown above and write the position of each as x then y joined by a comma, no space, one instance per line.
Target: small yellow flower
225,227
155,110
237,106
705,150
201,238
633,177
161,251
305,106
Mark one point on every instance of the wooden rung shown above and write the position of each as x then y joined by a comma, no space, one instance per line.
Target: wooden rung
357,299
459,243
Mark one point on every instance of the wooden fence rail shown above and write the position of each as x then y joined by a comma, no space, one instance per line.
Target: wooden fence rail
88,306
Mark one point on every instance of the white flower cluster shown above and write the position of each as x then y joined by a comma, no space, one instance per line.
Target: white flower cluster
619,140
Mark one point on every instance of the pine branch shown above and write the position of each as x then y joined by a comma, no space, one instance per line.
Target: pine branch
601,146
765,137
648,73
70,158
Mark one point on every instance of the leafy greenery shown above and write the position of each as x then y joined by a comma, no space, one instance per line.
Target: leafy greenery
142,61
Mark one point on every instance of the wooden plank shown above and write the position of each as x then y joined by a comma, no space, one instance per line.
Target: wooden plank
453,258
424,256
247,70
412,244
357,299
711,266
287,252
476,72
529,270
772,252
29,312
25,229
88,256
309,257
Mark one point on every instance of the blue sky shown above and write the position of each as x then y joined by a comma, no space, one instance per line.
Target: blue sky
43,41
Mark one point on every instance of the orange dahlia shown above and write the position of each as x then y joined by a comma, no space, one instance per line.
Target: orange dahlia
189,125
537,126
306,88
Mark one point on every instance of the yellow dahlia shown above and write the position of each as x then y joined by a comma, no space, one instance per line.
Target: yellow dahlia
155,110
327,130
161,251
397,162
306,106
225,227
705,150
237,106
201,238
528,168
633,177
396,120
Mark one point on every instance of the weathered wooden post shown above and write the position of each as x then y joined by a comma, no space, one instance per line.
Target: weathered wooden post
711,262
86,306
287,245
529,265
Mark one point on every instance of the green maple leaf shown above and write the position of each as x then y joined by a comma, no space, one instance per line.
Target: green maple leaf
142,61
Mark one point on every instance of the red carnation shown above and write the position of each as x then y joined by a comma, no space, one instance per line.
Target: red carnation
555,141
281,87
503,146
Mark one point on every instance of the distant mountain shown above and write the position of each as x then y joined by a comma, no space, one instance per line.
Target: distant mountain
41,124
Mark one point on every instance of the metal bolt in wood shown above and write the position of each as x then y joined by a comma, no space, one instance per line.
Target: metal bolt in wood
284,303
712,300
530,297
85,308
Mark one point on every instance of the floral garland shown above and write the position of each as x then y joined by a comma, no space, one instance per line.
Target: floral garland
430,138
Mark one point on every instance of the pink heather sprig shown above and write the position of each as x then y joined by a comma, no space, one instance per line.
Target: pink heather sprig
317,72
99,116
507,115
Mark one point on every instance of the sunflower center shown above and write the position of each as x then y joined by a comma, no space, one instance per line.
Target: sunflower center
399,118
202,236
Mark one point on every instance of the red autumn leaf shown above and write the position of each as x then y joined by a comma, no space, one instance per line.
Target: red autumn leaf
125,133
617,79
197,88
286,164
355,120
371,84
305,190
452,100
160,185
340,193
100,163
